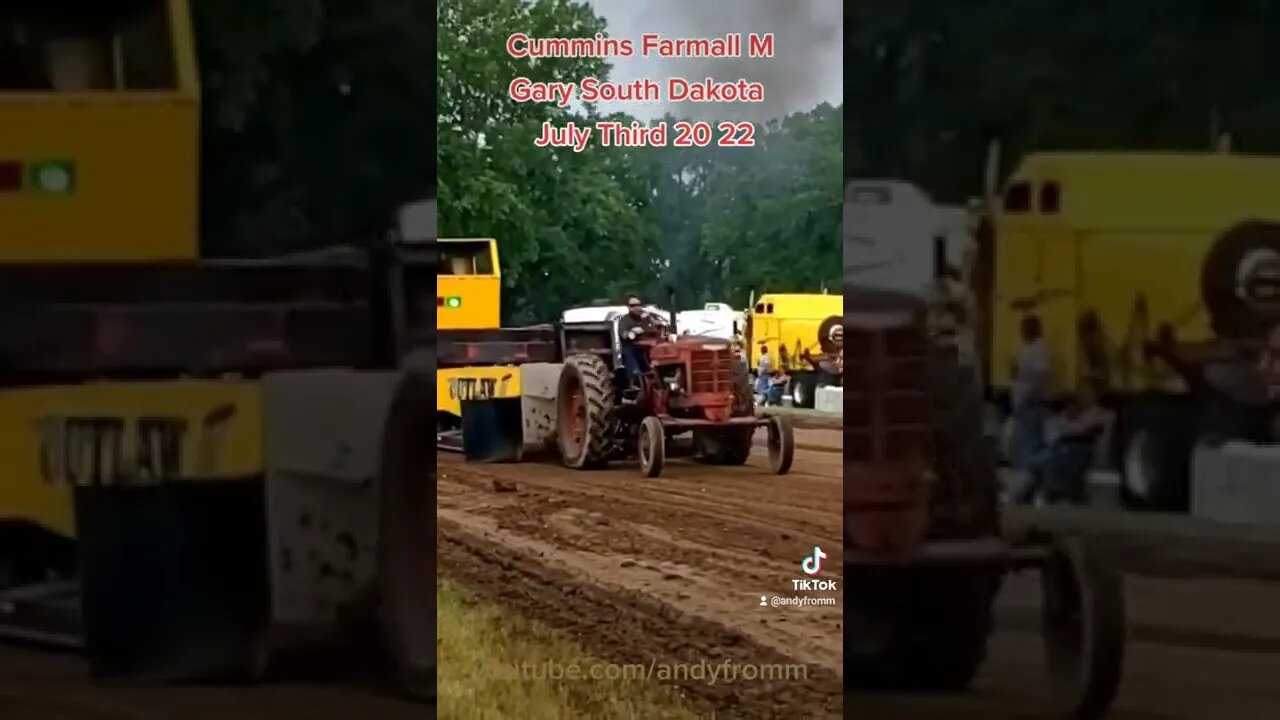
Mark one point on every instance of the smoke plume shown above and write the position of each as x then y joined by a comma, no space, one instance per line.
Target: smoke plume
806,68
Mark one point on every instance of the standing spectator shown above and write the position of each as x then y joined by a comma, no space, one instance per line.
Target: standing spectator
1031,392
763,372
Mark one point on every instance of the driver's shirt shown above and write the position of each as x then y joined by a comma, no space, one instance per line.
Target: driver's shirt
629,322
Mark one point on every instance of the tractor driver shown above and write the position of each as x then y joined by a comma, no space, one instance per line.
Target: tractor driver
631,327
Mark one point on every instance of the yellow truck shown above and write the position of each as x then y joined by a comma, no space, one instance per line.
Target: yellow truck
803,333
152,398
1150,273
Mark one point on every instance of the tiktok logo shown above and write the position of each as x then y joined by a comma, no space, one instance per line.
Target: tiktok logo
812,564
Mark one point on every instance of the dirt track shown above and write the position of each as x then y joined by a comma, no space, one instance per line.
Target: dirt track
39,685
663,570
1200,649
673,569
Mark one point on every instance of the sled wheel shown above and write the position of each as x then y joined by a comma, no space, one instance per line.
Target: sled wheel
1084,629
782,444
652,446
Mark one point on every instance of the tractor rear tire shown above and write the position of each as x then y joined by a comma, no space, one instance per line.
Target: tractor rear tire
584,404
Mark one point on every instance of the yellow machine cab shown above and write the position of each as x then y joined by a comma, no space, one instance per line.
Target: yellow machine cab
99,124
468,284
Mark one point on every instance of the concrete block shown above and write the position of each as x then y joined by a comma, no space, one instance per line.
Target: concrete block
1104,489
829,399
1237,483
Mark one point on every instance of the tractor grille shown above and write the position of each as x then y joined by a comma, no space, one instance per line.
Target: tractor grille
886,402
886,436
711,371
910,406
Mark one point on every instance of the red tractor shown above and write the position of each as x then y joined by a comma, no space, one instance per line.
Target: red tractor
692,384
925,549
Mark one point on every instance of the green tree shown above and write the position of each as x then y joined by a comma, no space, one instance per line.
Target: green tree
934,81
314,126
774,212
571,225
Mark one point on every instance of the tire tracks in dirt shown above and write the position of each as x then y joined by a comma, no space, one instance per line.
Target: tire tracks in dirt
669,570
629,627
332,684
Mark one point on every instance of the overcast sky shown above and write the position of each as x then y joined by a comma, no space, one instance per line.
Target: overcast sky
806,68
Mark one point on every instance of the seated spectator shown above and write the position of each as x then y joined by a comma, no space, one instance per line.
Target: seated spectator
1060,469
777,387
